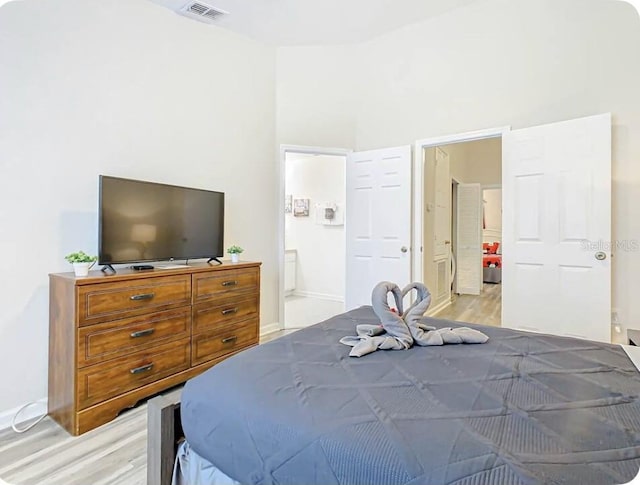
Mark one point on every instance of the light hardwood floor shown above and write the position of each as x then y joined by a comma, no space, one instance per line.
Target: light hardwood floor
485,308
115,454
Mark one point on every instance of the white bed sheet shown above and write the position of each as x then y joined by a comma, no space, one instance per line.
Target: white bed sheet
191,469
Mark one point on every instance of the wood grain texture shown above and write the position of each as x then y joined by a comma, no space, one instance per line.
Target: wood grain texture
62,352
126,274
107,301
213,286
47,455
94,416
118,339
98,383
228,338
113,454
485,309
97,343
209,316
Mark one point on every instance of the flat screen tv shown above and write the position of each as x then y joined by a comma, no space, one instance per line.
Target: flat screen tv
144,221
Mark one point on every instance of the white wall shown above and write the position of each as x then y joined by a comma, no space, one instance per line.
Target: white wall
496,63
315,96
122,88
492,199
320,248
457,161
127,88
478,161
484,161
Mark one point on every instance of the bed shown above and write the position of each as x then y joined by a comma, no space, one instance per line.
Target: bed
522,408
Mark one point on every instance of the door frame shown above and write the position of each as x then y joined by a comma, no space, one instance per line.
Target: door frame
418,187
454,234
282,174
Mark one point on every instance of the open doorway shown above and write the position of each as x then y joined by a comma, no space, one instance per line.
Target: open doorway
462,221
314,238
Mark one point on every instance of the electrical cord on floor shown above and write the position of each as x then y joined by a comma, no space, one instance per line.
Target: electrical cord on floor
14,426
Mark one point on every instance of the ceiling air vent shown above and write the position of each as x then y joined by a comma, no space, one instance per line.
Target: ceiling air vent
202,11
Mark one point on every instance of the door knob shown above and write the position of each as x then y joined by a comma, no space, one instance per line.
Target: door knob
601,255
447,242
404,249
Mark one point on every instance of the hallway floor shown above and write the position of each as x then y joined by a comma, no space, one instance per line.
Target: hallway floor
485,308
302,311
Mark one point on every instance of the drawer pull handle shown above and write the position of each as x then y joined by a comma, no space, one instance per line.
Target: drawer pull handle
141,369
228,311
143,296
229,340
142,333
230,283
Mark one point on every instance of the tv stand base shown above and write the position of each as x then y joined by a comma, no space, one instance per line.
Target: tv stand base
214,259
108,268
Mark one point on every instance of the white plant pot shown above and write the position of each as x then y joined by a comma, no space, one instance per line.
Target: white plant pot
82,269
235,258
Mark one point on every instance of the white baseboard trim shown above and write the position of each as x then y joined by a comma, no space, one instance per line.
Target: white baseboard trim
437,309
321,296
29,413
297,326
272,327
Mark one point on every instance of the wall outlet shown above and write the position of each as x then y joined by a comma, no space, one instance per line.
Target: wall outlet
615,319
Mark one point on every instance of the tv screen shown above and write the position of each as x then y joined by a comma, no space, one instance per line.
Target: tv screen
145,221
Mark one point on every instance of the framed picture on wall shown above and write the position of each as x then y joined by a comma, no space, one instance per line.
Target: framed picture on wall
287,204
301,207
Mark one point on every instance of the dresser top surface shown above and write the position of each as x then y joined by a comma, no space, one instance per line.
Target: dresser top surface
127,274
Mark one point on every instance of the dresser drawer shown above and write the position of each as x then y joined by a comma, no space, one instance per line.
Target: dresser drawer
103,381
213,286
207,317
97,343
109,301
219,342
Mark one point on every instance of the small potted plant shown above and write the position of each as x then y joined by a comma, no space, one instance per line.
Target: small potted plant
82,262
235,251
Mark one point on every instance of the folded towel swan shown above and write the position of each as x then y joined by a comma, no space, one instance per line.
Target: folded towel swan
399,331
425,336
395,334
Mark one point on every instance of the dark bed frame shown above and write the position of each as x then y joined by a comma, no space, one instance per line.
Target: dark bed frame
164,436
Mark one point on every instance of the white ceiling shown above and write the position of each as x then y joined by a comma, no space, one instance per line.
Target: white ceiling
320,22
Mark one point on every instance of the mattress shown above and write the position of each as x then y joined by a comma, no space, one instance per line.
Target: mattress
521,409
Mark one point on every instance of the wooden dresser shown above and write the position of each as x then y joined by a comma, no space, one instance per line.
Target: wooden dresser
115,339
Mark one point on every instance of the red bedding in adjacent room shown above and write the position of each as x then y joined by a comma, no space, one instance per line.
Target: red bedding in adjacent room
491,259
489,256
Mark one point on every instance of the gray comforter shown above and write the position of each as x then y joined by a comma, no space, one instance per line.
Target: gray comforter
521,409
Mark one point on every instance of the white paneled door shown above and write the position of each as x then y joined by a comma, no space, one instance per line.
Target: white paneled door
557,228
378,228
469,239
442,228
442,206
